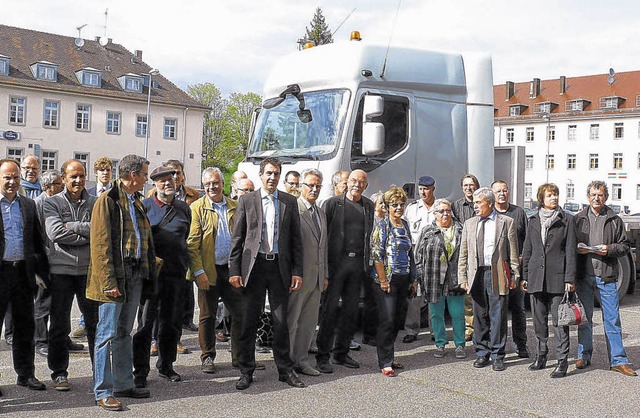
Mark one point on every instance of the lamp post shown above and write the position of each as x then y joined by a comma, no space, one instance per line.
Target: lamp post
547,117
146,131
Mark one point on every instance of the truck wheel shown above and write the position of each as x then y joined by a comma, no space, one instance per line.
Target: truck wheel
625,269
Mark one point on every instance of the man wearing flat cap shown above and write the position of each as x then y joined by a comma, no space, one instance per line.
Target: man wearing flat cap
170,220
418,215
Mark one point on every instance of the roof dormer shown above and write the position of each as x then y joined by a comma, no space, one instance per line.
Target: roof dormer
46,71
576,105
131,82
611,102
4,65
517,109
544,107
89,77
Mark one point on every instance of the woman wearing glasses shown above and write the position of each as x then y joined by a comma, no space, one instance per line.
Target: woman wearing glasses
549,268
394,276
437,253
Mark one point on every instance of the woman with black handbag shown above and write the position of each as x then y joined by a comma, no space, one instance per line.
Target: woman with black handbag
549,270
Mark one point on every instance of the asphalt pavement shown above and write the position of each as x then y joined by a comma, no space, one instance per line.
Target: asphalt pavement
428,386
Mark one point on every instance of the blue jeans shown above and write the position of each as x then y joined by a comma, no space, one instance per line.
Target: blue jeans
113,341
456,311
610,317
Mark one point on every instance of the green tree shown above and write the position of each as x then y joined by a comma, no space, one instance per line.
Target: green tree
319,34
215,121
239,112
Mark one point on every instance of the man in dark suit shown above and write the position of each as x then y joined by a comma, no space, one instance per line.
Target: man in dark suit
23,255
266,254
349,220
487,269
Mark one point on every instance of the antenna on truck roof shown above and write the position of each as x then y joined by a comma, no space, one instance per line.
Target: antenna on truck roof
343,20
386,54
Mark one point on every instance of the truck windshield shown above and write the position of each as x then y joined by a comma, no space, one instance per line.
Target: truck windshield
280,133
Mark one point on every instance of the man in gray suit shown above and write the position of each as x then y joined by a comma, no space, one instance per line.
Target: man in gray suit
487,269
304,305
266,254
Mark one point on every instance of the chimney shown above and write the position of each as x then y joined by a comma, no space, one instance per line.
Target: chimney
563,84
138,55
510,90
534,89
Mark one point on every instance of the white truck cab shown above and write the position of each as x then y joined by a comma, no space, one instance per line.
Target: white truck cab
397,113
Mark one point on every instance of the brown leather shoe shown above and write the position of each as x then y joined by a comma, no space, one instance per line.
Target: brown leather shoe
582,363
154,350
624,369
181,349
110,404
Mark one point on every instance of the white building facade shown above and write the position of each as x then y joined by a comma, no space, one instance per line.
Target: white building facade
60,101
575,130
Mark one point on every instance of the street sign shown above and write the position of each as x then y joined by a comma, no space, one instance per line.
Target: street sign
10,135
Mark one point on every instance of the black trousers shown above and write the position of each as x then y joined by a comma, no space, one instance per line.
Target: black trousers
265,276
208,303
489,317
42,306
63,288
345,285
542,304
167,310
392,311
370,311
16,289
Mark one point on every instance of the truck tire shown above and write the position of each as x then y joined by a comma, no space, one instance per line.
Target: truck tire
625,271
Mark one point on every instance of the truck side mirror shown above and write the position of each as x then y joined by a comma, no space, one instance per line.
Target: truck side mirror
373,133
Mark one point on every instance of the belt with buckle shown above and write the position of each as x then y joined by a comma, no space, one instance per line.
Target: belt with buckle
268,257
352,255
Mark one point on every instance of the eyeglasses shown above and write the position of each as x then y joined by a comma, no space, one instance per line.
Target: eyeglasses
358,182
212,184
443,211
30,168
397,205
313,186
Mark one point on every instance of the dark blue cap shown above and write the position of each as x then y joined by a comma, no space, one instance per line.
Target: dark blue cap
426,181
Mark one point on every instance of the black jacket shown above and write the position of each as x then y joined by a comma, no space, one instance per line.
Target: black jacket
614,237
334,208
548,267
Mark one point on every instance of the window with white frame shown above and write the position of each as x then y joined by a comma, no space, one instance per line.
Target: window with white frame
4,65
170,125
594,132
83,117
83,157
617,160
593,161
571,161
616,191
514,111
17,110
551,133
15,153
528,162
113,122
50,114
530,134
528,188
91,78
618,131
132,84
114,168
572,132
46,72
544,107
49,160
510,135
141,125
570,191
551,161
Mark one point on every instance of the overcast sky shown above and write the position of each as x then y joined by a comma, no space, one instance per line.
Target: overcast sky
233,44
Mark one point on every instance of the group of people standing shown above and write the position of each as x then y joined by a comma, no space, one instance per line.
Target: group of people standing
126,257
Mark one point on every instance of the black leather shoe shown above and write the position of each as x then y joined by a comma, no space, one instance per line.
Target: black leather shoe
539,363
244,382
292,379
170,375
71,346
346,361
498,365
133,392
523,352
31,383
258,366
561,369
481,362
408,339
43,351
324,367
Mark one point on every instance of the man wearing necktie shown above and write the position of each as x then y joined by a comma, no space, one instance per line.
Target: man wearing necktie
304,305
102,170
487,269
266,254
